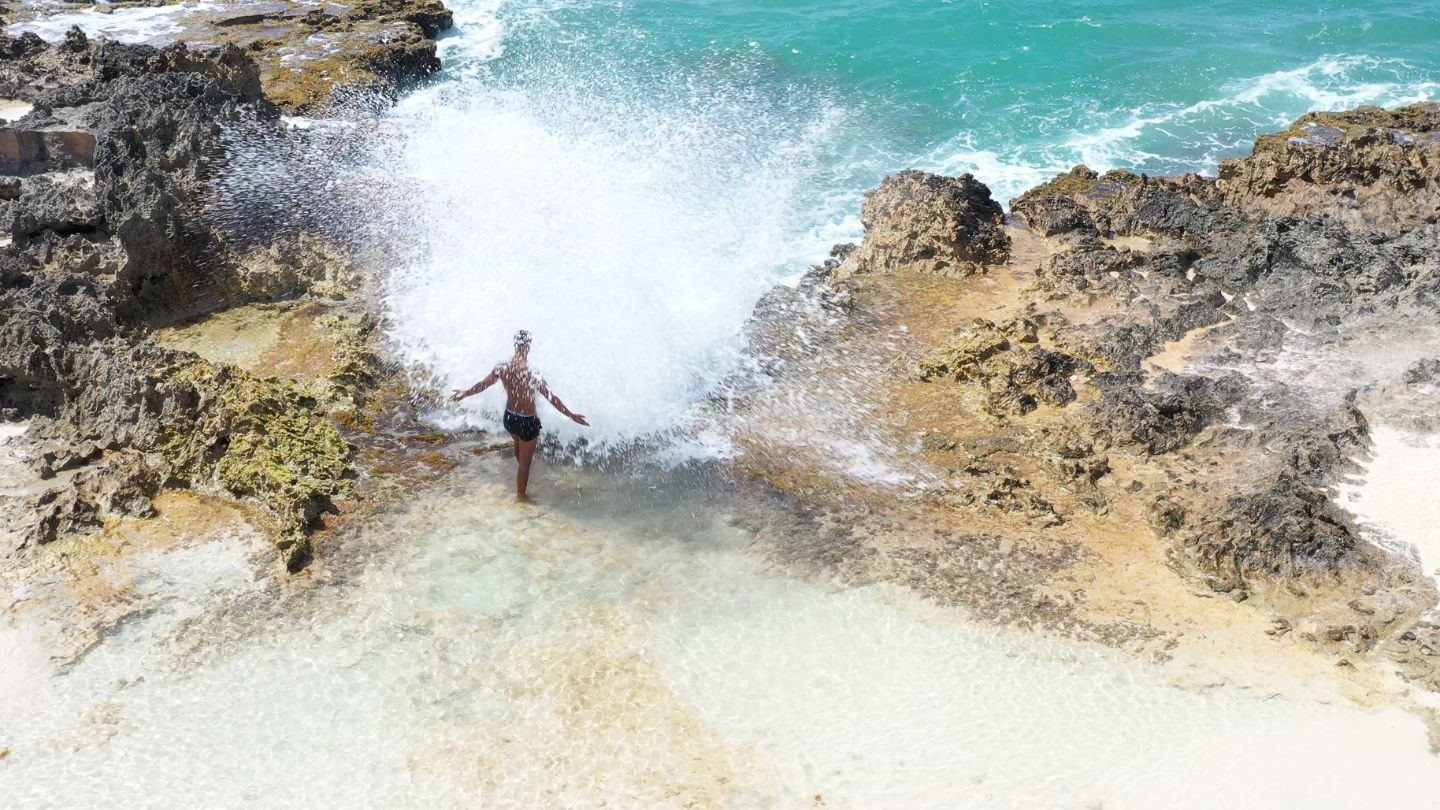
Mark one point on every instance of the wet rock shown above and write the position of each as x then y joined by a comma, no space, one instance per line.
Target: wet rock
1157,416
1073,460
306,55
357,367
1122,203
1006,362
925,223
1317,270
1089,269
62,78
99,257
1241,463
1165,516
53,207
137,221
1367,168
787,321
1414,654
1423,372
121,484
1289,528
53,514
1001,488
53,459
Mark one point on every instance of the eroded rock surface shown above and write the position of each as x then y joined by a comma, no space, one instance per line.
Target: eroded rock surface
1143,372
103,251
307,55
926,223
1367,167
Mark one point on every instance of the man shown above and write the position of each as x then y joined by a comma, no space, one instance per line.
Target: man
521,421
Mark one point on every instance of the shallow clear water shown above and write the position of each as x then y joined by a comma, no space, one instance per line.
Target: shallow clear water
625,179
621,645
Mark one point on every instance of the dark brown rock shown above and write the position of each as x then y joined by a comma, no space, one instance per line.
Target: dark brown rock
925,223
1366,167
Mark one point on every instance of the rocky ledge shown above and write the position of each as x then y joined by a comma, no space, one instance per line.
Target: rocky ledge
309,55
108,243
1136,372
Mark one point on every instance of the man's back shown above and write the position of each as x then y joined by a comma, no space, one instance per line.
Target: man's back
520,384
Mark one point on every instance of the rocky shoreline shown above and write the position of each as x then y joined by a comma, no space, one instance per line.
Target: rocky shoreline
110,238
1099,386
307,56
1093,390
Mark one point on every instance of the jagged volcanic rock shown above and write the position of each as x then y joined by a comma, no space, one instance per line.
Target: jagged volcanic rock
1367,167
926,223
104,251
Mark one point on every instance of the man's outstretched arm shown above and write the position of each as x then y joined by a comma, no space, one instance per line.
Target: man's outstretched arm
490,379
560,406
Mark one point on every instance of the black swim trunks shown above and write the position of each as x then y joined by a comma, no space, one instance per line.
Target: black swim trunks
525,428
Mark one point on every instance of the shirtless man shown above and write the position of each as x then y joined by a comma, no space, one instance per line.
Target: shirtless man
521,384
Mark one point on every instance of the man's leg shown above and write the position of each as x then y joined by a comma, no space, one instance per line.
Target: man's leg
524,451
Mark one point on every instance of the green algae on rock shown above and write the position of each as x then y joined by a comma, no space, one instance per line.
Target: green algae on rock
260,439
103,255
1368,167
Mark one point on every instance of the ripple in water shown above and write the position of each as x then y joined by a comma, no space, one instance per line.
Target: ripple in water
615,650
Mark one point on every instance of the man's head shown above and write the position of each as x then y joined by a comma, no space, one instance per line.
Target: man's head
522,341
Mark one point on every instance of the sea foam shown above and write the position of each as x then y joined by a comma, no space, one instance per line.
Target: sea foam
130,24
1395,497
631,232
1169,137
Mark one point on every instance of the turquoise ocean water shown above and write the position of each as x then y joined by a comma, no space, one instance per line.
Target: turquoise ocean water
625,179
1011,91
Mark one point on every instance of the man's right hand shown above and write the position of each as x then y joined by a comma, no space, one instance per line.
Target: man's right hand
580,417
457,395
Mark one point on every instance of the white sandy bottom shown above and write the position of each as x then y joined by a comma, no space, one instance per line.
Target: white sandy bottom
521,658
1398,495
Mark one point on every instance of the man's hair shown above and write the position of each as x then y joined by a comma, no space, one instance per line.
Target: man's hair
522,339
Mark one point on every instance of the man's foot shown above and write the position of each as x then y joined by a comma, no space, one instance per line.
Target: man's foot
524,499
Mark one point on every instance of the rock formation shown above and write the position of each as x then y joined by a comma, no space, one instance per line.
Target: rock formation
926,223
306,55
109,242
1148,331
1238,249
1367,167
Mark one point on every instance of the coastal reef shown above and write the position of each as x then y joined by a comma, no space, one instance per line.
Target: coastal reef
307,56
1133,374
108,240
